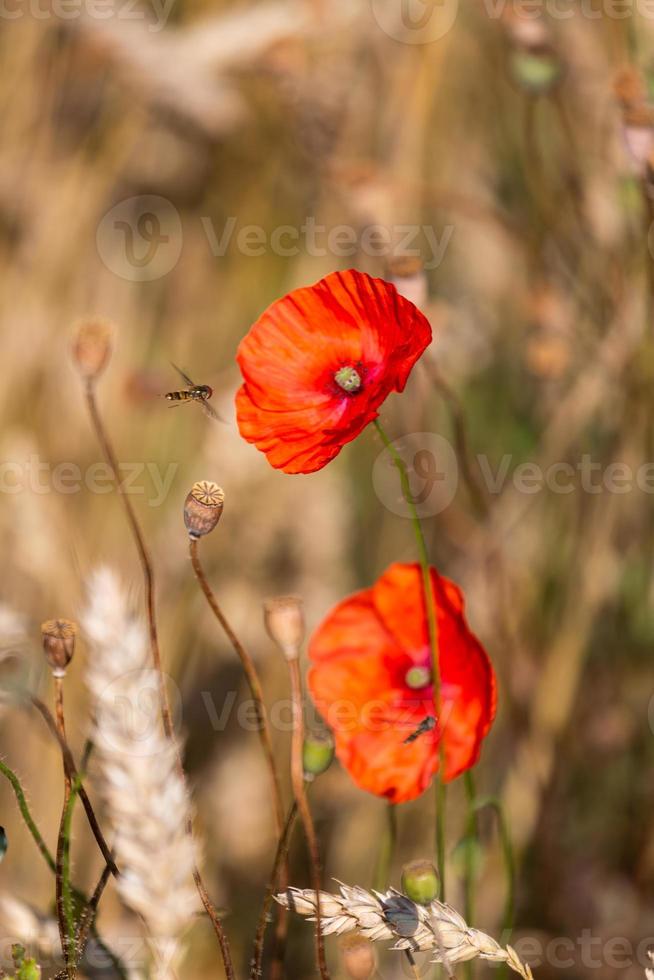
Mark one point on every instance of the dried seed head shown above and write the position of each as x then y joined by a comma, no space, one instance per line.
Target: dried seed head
317,754
284,619
358,955
92,347
420,882
203,507
59,644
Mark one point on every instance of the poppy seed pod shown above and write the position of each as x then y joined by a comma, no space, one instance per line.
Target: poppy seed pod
202,508
317,754
284,620
92,348
358,955
59,644
420,882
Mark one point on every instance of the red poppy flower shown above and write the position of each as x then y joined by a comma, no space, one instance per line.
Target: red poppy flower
318,364
371,680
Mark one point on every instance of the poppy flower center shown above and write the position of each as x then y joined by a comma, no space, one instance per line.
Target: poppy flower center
348,378
417,677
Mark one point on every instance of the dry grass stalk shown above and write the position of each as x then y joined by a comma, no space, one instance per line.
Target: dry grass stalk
143,793
391,915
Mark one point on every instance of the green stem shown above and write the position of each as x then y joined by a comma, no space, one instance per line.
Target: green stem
26,815
387,850
471,837
509,861
432,625
441,801
469,872
66,888
49,859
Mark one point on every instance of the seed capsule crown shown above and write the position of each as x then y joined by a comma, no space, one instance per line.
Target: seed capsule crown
203,508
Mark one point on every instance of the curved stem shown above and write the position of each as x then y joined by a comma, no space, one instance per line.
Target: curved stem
65,918
469,873
141,547
71,768
432,625
281,857
88,917
263,728
26,814
299,791
509,860
166,714
254,683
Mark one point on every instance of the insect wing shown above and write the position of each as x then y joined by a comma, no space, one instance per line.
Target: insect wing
184,376
210,411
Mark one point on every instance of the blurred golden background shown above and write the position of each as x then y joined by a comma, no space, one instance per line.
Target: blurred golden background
176,169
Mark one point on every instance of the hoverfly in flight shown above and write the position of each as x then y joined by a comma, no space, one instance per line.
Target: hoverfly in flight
426,725
192,393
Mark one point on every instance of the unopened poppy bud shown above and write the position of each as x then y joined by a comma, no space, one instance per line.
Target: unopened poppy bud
92,348
420,882
358,955
317,754
59,644
284,619
203,508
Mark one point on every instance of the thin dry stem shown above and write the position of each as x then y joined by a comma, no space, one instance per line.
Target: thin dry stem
263,728
73,773
141,547
148,577
299,791
254,684
281,858
62,920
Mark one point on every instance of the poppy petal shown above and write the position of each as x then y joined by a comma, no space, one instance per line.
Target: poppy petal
290,358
